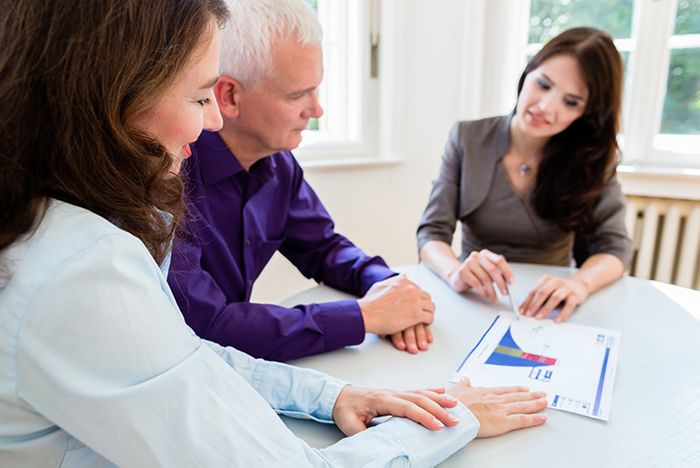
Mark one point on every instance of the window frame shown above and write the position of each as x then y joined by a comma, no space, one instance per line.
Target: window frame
347,92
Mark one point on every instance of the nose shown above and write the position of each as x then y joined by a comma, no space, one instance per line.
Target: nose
212,117
314,109
546,102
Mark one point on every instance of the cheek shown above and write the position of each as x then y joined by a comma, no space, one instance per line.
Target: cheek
570,116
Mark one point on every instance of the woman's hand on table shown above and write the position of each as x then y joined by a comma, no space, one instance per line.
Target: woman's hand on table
501,409
551,292
479,272
356,407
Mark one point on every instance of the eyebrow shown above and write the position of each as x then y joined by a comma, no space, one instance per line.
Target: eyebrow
574,96
210,83
302,91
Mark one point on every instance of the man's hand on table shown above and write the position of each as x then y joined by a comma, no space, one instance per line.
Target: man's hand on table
399,308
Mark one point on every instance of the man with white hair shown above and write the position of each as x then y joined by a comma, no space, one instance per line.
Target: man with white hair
248,198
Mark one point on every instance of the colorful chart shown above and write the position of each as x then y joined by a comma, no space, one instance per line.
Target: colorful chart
508,353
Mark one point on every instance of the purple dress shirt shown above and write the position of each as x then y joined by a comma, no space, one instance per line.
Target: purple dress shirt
236,221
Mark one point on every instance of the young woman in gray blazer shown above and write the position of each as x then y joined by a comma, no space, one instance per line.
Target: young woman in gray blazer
524,185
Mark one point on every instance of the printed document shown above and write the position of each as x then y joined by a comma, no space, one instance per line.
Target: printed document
574,364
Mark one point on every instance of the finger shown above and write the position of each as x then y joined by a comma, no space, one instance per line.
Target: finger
409,337
495,273
441,398
558,296
473,282
434,389
428,333
571,304
398,341
399,406
502,264
431,404
522,421
506,390
425,296
420,337
485,282
520,396
541,295
525,407
527,304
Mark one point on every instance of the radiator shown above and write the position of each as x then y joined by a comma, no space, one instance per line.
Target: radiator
666,236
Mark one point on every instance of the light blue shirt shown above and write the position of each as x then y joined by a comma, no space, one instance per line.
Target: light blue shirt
97,368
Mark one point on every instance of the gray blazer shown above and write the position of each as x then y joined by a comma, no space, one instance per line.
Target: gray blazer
473,188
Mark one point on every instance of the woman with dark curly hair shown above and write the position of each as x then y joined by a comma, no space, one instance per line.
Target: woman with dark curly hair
523,185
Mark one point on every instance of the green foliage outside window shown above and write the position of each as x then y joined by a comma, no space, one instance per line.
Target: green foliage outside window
682,104
688,18
313,3
550,17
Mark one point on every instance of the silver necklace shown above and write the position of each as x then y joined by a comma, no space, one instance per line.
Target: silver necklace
524,169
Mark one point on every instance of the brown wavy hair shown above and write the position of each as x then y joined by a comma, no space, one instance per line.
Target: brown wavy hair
579,161
72,75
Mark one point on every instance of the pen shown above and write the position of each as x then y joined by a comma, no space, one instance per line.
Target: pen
512,304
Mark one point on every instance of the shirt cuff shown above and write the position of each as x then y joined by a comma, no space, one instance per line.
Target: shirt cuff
373,274
343,323
429,448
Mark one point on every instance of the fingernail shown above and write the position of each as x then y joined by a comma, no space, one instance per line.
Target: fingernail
439,423
453,419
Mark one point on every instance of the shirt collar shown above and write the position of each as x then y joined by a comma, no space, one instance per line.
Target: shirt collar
216,161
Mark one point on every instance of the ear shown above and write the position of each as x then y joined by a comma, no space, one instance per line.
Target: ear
227,91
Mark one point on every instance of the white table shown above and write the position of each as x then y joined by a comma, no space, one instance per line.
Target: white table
655,418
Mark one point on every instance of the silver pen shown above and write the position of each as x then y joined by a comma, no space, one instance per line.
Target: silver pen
512,304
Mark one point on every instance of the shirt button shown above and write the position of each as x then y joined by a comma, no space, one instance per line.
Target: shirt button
247,241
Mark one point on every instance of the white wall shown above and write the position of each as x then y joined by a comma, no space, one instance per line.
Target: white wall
378,208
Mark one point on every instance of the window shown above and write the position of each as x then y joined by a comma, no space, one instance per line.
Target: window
660,44
343,128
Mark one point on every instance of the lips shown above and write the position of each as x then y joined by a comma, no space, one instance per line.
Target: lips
537,119
187,150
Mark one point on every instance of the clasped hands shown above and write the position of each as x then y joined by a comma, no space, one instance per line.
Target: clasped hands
482,269
398,308
499,410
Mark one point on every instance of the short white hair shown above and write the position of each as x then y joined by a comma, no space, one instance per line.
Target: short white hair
253,28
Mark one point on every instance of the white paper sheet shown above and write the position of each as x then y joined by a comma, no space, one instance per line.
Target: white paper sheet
574,364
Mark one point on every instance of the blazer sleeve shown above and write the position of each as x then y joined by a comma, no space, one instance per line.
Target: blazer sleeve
610,235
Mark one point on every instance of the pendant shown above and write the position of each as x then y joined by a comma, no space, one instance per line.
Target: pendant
523,169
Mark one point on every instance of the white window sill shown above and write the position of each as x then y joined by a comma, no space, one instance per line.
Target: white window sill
350,163
664,182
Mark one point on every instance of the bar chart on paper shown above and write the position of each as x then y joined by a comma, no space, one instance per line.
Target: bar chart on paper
574,364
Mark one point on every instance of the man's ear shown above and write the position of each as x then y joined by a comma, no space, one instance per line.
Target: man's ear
228,93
